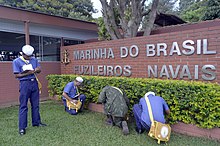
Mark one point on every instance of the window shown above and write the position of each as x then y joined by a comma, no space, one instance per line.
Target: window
68,42
46,48
10,45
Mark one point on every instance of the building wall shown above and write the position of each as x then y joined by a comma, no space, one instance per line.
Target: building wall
206,63
9,87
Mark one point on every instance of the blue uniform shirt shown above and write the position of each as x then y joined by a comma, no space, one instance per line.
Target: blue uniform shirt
158,106
18,64
71,90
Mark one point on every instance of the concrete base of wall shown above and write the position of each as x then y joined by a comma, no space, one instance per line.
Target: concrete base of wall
193,130
96,107
187,129
55,97
14,103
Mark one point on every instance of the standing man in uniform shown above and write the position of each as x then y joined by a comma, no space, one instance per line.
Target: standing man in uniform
71,94
115,107
141,114
25,69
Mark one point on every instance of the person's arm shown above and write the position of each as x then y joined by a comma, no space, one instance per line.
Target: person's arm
126,99
26,72
142,100
68,98
66,92
20,75
17,71
167,111
37,70
166,107
102,96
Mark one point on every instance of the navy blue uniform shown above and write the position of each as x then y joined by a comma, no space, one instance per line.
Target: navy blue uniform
141,115
72,91
28,89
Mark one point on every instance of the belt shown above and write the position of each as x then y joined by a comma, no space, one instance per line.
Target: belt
34,79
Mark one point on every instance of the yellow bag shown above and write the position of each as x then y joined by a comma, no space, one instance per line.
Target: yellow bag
158,130
39,83
71,105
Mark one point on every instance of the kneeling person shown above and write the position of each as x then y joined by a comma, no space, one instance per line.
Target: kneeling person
72,99
115,107
141,114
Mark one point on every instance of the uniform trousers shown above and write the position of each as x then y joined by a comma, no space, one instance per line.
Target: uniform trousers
140,125
29,90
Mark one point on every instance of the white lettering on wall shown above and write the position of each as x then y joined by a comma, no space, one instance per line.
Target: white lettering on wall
93,54
188,47
133,51
177,48
182,71
103,70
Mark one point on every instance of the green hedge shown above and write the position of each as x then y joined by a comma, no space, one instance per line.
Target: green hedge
189,101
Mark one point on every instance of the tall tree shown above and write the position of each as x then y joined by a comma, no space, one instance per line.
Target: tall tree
184,4
8,2
212,11
130,14
78,9
103,33
195,12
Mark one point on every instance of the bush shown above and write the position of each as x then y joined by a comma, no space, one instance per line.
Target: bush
189,101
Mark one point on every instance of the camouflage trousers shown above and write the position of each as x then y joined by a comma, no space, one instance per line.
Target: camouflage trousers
116,120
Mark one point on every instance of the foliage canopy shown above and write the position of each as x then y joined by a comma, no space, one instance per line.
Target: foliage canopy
77,9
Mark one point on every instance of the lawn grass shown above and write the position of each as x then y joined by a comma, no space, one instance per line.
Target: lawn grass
85,129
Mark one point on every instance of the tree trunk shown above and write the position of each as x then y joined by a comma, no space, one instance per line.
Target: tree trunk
109,19
130,13
152,18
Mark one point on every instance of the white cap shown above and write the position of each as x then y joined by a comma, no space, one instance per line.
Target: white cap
149,93
27,50
79,79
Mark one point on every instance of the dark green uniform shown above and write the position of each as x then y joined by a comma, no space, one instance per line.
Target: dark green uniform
115,103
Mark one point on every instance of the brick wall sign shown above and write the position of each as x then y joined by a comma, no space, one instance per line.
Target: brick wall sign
189,54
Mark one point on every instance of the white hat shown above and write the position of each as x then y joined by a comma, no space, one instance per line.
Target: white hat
27,50
79,79
149,93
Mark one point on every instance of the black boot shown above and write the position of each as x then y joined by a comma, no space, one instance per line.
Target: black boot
139,131
22,132
125,129
109,120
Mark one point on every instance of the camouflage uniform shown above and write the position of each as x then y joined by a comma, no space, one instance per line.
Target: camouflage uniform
115,103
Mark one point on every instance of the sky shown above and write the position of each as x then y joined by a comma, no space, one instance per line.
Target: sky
97,5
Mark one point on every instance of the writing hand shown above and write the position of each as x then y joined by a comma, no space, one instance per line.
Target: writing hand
74,101
31,72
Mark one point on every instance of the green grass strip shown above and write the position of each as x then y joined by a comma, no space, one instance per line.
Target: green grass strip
85,129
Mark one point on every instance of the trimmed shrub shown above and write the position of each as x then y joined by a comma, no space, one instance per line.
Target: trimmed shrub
191,102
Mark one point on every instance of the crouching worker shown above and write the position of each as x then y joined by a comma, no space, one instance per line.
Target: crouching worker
115,107
141,114
72,99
